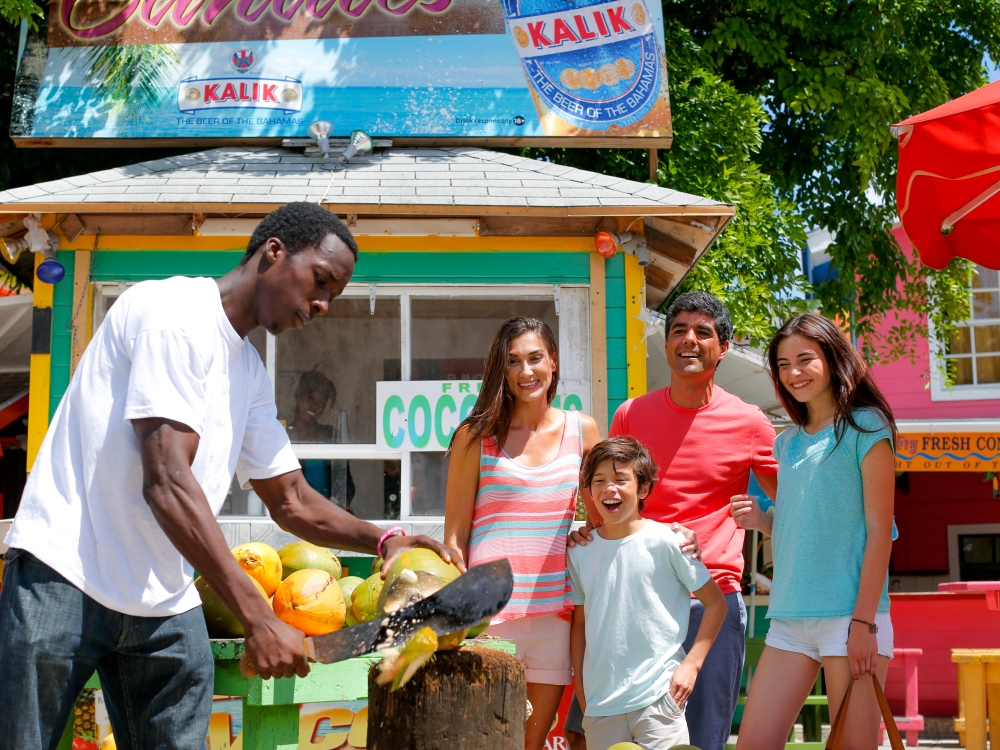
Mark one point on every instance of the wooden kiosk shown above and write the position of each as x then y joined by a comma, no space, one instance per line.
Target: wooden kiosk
453,241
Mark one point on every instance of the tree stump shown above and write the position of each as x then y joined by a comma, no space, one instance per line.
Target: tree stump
472,698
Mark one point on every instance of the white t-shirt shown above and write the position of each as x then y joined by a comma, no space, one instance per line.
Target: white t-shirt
636,594
166,349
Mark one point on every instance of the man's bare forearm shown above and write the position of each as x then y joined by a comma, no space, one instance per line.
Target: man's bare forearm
181,509
299,509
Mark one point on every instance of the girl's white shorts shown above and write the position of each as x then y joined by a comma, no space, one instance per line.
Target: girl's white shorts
817,637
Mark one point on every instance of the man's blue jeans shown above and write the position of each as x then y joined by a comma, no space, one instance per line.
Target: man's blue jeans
157,673
710,708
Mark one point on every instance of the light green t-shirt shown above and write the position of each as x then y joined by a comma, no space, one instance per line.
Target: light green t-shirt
819,533
637,597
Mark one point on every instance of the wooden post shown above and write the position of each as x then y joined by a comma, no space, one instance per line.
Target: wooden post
472,698
654,163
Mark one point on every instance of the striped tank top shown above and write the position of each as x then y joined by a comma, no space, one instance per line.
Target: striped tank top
524,514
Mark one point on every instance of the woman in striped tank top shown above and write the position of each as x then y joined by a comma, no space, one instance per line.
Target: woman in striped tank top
512,487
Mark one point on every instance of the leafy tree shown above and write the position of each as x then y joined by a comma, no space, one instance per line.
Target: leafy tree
829,78
755,265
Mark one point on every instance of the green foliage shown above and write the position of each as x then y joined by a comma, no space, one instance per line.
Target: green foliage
131,79
755,265
15,11
834,75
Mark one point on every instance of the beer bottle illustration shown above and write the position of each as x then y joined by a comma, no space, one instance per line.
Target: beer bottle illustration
594,67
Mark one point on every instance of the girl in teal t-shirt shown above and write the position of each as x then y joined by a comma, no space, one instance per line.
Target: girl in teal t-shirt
832,537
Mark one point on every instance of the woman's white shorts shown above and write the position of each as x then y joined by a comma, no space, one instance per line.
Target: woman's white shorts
817,637
542,645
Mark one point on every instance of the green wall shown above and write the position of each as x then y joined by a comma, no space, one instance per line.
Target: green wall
395,267
614,284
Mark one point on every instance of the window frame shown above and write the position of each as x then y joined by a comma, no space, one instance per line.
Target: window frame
404,293
967,391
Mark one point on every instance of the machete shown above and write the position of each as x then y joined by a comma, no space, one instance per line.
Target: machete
466,601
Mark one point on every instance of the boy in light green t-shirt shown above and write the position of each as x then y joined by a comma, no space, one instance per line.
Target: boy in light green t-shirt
632,587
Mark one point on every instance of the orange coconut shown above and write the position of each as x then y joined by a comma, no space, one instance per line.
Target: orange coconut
312,601
261,562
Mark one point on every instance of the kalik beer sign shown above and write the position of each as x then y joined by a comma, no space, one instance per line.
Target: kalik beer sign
488,71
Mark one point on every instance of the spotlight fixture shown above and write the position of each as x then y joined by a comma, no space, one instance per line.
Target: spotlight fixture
633,243
39,240
320,130
360,145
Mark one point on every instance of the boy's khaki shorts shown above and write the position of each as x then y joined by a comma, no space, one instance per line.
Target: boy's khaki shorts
656,727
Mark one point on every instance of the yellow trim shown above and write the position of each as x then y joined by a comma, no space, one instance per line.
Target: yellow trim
635,329
39,379
365,243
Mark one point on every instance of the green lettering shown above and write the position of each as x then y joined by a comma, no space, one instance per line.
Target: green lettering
420,402
467,403
445,402
463,388
573,403
392,404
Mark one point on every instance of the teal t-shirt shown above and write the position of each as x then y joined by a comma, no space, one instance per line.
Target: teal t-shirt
636,593
819,532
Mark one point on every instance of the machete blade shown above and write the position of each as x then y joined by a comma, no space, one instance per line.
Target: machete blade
466,601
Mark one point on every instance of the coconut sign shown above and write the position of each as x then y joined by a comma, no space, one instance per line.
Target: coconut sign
422,415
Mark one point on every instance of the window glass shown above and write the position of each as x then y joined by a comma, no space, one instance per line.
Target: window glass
979,557
988,369
451,337
987,339
984,278
429,472
985,305
368,489
326,371
960,342
963,372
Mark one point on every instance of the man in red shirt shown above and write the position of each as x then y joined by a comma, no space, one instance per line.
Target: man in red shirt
705,442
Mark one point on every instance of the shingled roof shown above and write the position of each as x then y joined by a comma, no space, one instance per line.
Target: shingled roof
467,180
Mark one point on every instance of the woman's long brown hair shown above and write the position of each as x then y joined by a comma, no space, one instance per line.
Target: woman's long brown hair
494,408
850,378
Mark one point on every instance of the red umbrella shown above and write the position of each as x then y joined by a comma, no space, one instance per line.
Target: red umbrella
948,186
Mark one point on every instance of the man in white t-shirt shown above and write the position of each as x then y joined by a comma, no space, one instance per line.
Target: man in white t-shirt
169,400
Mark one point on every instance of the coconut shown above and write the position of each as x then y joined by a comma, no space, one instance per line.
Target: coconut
420,559
364,599
219,619
409,588
261,563
633,746
347,585
311,601
304,556
109,743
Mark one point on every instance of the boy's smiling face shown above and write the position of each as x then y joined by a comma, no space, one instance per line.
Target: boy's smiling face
616,493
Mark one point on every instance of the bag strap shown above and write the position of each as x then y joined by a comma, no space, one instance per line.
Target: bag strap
837,728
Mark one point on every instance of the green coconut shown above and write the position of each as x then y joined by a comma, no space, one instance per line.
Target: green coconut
410,587
633,746
347,585
303,555
219,619
421,560
364,599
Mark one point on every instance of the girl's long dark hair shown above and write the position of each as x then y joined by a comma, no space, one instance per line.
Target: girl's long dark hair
850,378
494,408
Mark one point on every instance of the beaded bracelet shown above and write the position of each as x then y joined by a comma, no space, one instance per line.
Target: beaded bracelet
872,627
394,531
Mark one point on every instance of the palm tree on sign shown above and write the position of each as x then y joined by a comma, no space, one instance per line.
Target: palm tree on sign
131,79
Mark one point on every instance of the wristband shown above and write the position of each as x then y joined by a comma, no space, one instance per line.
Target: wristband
394,531
872,627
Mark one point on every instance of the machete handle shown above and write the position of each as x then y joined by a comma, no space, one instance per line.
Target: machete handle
309,648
